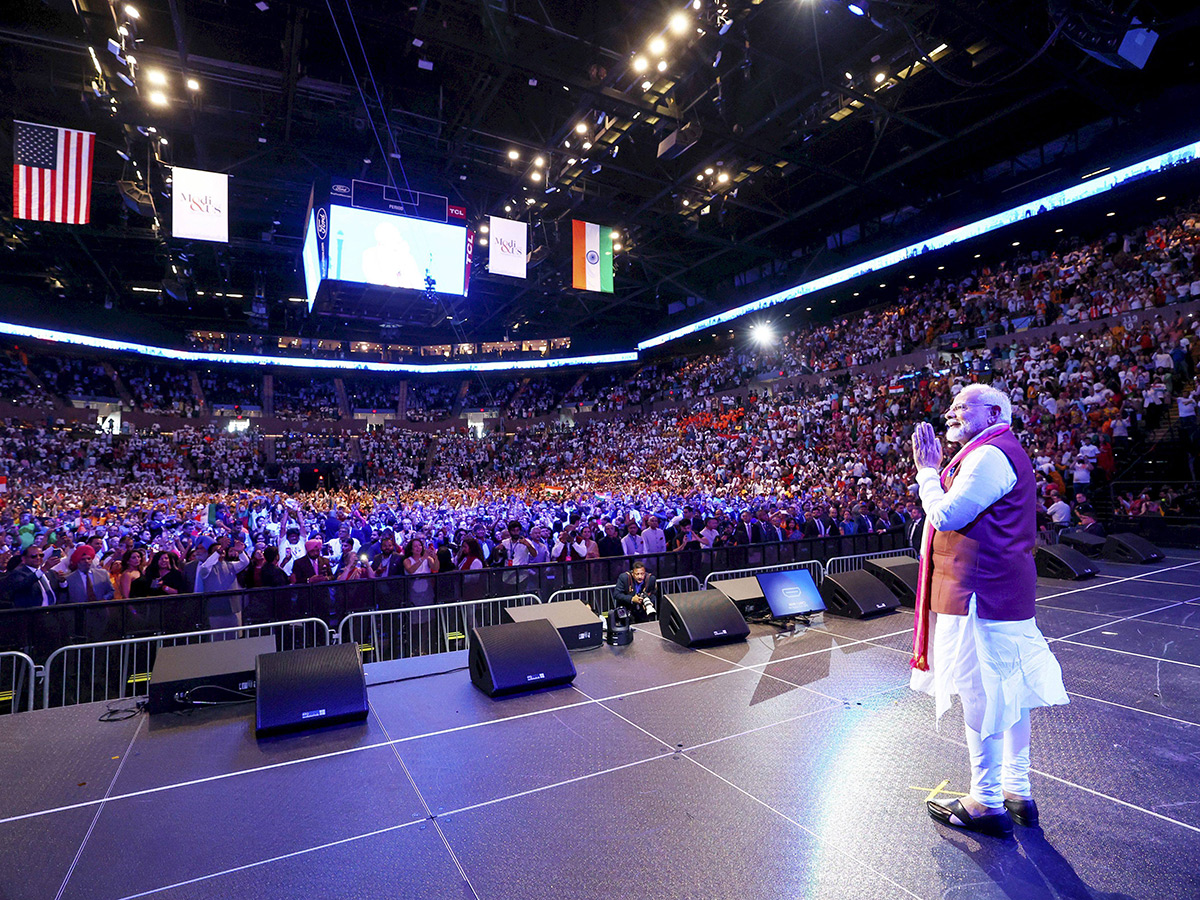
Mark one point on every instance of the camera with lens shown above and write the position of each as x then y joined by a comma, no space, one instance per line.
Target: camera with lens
648,608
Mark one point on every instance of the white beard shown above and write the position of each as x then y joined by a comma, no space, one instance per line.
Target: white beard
956,434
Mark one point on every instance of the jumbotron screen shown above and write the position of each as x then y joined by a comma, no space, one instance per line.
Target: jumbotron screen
371,247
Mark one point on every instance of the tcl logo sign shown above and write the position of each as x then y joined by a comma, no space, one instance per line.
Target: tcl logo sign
457,212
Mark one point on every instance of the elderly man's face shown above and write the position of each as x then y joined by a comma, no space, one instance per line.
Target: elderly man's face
968,416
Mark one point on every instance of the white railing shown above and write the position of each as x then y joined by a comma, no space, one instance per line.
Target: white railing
388,634
813,566
839,564
109,670
17,674
599,598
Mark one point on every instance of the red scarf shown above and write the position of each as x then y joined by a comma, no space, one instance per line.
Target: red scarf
920,654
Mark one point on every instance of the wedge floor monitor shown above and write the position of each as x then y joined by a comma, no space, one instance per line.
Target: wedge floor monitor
790,593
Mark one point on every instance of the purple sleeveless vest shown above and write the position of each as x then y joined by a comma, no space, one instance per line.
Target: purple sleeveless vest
992,557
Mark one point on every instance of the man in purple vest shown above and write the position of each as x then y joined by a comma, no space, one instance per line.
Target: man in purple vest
974,632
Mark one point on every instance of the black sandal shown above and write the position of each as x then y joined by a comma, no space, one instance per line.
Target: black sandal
1023,812
999,825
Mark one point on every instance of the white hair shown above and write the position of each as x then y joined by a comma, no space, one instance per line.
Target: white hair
990,396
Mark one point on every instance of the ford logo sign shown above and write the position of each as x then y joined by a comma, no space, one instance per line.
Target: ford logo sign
340,189
322,223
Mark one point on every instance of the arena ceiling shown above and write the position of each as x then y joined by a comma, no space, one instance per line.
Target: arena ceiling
806,132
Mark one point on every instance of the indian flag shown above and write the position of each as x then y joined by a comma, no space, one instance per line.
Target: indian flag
593,263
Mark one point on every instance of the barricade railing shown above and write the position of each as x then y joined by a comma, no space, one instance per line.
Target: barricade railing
387,634
116,670
816,569
840,564
17,674
38,631
599,597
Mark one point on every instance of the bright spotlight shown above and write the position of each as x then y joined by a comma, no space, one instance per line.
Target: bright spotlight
157,77
857,9
581,128
132,12
641,64
879,78
662,65
679,23
193,84
657,46
514,155
158,98
723,177
762,334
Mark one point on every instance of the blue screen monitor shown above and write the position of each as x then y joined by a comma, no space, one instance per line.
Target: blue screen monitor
790,593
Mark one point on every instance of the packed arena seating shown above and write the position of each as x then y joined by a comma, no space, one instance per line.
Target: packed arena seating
158,389
783,455
72,378
372,393
16,385
301,398
431,401
228,387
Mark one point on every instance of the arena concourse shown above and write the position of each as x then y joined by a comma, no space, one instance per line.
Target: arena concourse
206,441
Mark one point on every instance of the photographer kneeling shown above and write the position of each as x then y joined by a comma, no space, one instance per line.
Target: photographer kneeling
637,591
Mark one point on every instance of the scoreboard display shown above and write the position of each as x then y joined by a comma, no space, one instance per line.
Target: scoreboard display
359,232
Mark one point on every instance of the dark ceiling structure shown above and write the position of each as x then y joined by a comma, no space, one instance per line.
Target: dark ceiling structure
735,145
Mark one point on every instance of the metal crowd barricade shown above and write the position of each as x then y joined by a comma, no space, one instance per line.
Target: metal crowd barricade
599,597
17,673
813,566
112,670
840,564
387,634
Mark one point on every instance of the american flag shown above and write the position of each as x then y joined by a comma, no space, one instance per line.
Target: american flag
52,173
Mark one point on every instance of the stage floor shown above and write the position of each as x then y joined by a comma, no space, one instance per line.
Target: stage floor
790,766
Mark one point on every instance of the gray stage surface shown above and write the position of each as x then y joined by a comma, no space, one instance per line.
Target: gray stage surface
793,765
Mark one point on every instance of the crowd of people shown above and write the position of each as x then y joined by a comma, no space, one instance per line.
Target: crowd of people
824,456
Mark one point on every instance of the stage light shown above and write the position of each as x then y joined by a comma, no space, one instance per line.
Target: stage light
662,65
508,207
641,64
646,85
483,242
514,155
879,77
123,30
699,177
679,23
132,12
1111,214
158,98
539,161
708,171
157,77
856,9
616,246
1016,243
193,84
535,175
1058,231
587,145
130,59
581,128
762,334
722,178
657,46
849,76
940,268
571,161
1160,198
164,142
483,229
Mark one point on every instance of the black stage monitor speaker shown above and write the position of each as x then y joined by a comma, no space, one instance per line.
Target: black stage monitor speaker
192,673
309,688
746,594
1057,561
700,619
1131,548
578,626
899,573
1090,545
519,656
856,595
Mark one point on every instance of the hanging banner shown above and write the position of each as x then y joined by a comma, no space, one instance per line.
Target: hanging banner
508,246
200,205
